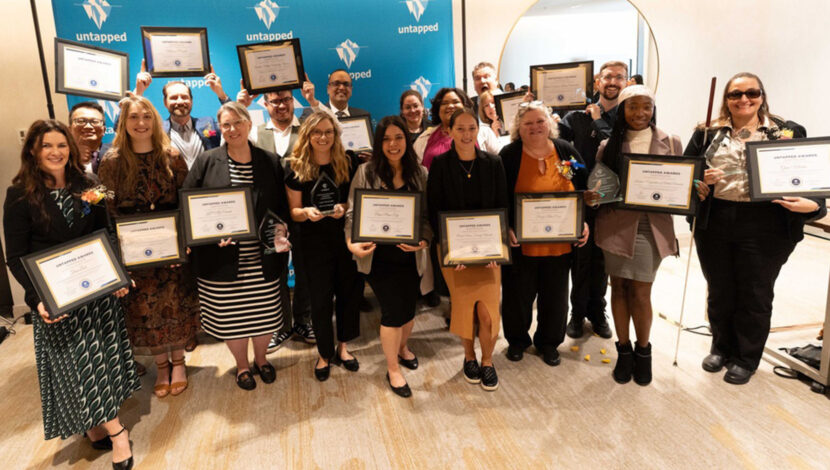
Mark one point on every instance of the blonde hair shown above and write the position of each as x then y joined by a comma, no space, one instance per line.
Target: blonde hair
236,108
127,160
482,115
533,106
302,161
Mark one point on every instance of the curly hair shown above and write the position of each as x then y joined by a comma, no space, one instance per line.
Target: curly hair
302,161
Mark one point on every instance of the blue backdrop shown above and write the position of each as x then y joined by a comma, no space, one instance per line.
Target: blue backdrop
386,45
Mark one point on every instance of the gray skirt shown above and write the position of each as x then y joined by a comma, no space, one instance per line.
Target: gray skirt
643,266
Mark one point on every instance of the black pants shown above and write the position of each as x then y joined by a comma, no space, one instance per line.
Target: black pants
589,279
332,274
741,252
529,278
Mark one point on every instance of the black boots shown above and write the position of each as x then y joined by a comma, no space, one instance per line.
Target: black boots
633,363
625,363
642,364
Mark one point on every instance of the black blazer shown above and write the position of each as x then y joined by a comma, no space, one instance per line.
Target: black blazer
795,221
445,181
511,157
210,170
24,235
353,112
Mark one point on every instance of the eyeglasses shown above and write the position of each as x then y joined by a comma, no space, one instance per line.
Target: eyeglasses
751,93
226,126
525,104
316,133
279,101
84,121
338,83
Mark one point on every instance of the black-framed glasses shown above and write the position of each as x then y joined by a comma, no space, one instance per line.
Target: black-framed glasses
751,93
84,121
338,83
279,101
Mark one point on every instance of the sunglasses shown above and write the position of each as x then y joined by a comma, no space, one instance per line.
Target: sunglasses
752,94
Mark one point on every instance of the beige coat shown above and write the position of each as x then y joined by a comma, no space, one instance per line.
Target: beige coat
616,229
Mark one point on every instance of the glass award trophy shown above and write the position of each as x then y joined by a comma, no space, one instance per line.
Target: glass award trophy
273,234
324,194
609,183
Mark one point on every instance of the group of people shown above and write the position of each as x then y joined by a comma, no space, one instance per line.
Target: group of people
236,290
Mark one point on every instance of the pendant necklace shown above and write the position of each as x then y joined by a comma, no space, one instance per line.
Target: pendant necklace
469,172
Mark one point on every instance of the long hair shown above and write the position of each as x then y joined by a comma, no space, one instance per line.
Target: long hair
33,179
533,106
725,117
302,161
127,160
379,167
612,155
420,98
466,102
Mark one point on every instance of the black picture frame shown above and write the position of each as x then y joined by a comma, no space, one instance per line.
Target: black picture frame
360,194
188,195
692,203
446,261
579,204
587,65
368,124
181,256
148,31
61,82
41,284
243,49
756,192
505,98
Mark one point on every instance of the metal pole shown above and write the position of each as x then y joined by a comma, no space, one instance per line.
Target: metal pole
49,106
464,45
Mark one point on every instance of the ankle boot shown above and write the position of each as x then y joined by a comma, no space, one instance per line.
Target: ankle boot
642,364
625,363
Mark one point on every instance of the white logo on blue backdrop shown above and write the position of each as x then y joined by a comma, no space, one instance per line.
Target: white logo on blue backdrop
417,7
97,10
422,86
347,51
111,109
267,11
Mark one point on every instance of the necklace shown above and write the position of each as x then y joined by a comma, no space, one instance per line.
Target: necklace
469,171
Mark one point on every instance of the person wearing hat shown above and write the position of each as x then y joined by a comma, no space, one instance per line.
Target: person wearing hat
634,242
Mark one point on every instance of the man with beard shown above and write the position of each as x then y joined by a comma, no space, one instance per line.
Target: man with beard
86,121
586,129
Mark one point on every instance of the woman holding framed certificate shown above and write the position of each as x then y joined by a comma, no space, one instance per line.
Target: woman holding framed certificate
742,245
84,361
466,178
317,183
537,162
145,172
635,242
239,280
396,272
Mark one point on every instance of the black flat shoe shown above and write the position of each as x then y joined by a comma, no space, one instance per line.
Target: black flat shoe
737,375
410,364
551,357
515,353
266,372
402,391
602,329
100,444
350,365
713,363
322,373
575,328
246,381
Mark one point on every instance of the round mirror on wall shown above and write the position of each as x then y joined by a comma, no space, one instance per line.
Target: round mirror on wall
561,31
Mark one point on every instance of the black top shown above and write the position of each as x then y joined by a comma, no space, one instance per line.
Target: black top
586,134
449,189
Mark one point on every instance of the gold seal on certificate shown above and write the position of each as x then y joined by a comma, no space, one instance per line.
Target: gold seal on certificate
74,273
507,105
91,71
211,214
563,86
271,66
474,237
549,217
660,183
356,133
150,240
175,52
788,167
389,217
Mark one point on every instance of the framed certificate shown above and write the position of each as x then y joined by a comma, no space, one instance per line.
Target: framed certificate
563,86
387,217
175,52
74,273
660,183
357,133
211,214
271,66
150,240
507,105
549,217
474,237
788,167
91,71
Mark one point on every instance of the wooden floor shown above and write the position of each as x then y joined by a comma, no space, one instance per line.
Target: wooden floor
571,416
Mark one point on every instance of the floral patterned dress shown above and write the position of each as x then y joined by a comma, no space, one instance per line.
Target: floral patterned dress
162,312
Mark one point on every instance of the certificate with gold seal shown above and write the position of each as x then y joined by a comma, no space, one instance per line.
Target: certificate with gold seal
387,217
474,237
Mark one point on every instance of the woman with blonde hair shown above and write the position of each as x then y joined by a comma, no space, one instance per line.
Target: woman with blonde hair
145,172
319,159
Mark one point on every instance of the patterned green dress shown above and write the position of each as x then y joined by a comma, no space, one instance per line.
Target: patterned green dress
84,362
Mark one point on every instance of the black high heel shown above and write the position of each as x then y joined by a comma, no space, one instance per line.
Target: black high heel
124,464
101,444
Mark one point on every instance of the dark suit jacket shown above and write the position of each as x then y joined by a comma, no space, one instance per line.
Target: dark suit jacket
265,141
24,235
210,170
202,125
353,112
444,184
